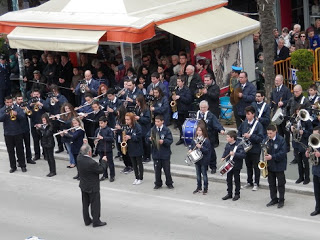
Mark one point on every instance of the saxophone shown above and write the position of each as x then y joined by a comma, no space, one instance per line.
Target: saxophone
263,164
123,144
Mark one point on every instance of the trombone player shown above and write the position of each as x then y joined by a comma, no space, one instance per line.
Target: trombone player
276,158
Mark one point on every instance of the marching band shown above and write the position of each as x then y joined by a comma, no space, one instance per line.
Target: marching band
135,119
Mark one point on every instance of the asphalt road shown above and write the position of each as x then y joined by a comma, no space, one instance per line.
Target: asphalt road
50,208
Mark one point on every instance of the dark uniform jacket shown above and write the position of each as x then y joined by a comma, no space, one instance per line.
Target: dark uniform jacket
36,116
135,148
238,156
89,171
284,94
307,128
292,103
212,124
12,128
255,138
133,95
248,97
5,76
144,120
93,86
265,117
278,150
76,139
105,144
206,152
24,122
55,109
92,122
115,104
161,107
185,100
164,151
46,134
212,97
316,168
160,85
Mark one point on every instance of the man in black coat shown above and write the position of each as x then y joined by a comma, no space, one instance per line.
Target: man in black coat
276,158
89,171
193,79
282,52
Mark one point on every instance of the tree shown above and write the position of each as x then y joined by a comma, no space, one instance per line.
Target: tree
268,23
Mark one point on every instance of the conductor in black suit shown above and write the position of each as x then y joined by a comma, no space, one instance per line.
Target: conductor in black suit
89,171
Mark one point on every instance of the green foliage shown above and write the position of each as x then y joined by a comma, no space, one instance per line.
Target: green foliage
302,59
304,76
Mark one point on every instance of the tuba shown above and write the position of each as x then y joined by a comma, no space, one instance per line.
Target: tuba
263,164
123,144
314,143
173,103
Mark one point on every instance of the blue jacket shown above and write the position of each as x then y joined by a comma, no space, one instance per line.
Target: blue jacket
76,138
12,128
135,148
105,144
161,85
144,120
265,117
307,131
238,156
5,76
185,100
56,108
93,86
133,95
206,152
314,41
255,138
164,151
248,97
278,151
161,107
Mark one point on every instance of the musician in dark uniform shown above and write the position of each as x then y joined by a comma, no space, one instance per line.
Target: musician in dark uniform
212,124
279,98
160,105
161,139
13,133
316,176
301,130
252,130
26,127
131,94
236,154
183,99
143,117
262,110
112,105
314,101
276,158
90,86
55,101
155,79
89,171
247,97
38,106
5,86
104,139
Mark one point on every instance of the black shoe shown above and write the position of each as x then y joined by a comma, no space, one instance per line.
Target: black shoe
23,169
59,151
146,160
156,187
314,213
76,177
88,223
197,191
272,202
99,224
51,174
31,162
226,197
103,178
306,181
179,142
294,161
213,170
35,158
300,180
12,170
280,204
170,187
111,179
205,191
236,197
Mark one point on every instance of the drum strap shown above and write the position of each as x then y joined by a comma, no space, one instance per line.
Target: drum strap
234,150
262,109
302,100
253,127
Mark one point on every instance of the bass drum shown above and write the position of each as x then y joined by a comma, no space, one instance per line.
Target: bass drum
189,129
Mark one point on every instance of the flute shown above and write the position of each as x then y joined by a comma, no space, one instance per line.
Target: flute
60,114
69,129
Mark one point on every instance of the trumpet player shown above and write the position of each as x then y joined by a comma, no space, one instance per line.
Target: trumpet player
183,100
104,139
276,158
26,127
237,155
301,129
316,176
252,130
91,86
13,133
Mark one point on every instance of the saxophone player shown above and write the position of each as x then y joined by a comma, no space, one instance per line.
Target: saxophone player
277,163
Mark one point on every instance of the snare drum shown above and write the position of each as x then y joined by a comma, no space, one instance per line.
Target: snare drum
195,156
189,129
225,168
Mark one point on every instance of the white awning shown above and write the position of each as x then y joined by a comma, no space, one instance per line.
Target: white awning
212,29
62,40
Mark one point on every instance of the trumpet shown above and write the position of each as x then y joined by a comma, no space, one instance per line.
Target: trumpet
26,109
124,145
263,164
69,129
83,85
173,103
12,116
119,94
200,93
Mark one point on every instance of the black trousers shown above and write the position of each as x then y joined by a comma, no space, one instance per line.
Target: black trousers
110,163
48,152
303,165
236,175
126,159
26,140
272,180
91,200
36,142
146,148
239,119
15,145
252,160
316,188
160,164
56,128
181,118
284,133
213,159
137,167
